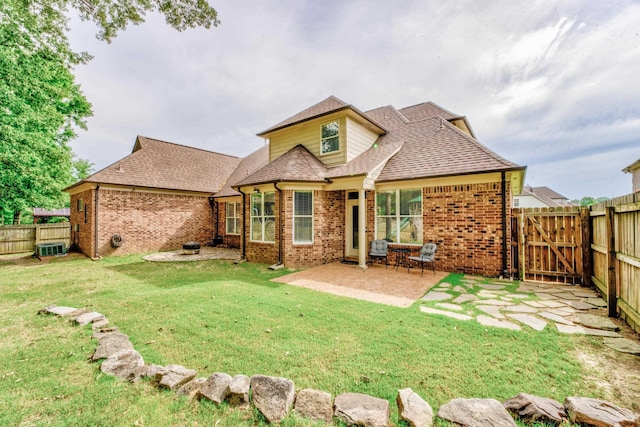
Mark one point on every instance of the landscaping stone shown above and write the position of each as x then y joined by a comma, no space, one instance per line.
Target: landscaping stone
191,388
535,304
215,388
109,344
491,287
545,295
531,321
623,345
125,364
521,308
580,305
272,396
448,306
314,404
86,318
99,333
555,318
151,372
490,321
575,329
536,409
494,302
436,296
174,376
594,412
567,296
413,409
457,316
597,302
595,322
552,304
491,310
445,285
362,410
239,390
100,324
476,413
460,289
465,298
61,311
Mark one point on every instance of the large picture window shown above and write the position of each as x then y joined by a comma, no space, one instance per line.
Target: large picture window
399,216
263,220
303,217
233,217
330,141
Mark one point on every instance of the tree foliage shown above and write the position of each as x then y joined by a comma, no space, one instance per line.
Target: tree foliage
41,106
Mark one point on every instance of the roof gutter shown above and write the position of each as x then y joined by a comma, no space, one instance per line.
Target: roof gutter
519,168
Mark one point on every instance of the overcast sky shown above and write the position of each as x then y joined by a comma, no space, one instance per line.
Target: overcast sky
552,85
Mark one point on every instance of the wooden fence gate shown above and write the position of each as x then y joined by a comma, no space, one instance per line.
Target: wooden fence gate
552,244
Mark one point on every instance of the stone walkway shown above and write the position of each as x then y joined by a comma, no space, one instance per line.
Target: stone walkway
509,305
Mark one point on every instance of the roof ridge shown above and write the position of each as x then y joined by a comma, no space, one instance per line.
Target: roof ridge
186,146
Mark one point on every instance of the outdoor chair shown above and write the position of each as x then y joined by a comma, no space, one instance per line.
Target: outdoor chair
427,254
379,249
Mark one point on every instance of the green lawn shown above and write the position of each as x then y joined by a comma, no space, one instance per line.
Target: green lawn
215,316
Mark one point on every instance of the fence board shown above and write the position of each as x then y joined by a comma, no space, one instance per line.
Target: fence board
23,238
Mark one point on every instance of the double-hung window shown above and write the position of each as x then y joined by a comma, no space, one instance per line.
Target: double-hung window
263,219
399,216
302,217
233,217
330,139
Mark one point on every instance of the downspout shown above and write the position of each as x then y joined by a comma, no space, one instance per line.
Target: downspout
95,224
244,223
215,214
505,271
281,215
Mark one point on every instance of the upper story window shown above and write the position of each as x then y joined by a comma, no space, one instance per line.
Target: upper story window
330,141
263,218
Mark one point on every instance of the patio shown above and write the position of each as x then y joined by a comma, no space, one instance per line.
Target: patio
375,284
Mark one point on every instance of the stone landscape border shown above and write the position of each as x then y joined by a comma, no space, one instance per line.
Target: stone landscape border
276,397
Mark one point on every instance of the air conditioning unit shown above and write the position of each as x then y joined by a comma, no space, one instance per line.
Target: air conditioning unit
50,249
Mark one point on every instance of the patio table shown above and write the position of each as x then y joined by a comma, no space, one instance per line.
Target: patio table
401,257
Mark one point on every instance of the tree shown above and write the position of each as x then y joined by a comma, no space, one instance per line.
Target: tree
41,106
81,168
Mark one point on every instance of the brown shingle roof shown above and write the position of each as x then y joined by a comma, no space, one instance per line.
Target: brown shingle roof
322,108
426,110
297,164
435,147
250,164
547,192
160,164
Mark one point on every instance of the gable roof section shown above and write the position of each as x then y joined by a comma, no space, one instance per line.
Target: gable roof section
322,108
160,164
250,164
435,148
296,165
531,192
633,166
427,110
548,193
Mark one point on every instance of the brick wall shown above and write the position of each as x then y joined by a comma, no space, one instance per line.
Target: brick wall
328,231
146,221
466,222
265,252
229,240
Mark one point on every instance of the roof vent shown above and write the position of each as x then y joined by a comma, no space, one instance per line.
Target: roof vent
441,124
119,168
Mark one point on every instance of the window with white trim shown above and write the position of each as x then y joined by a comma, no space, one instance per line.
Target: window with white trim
330,139
302,217
399,216
263,219
233,217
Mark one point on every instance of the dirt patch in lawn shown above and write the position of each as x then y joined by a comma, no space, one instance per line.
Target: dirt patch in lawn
616,375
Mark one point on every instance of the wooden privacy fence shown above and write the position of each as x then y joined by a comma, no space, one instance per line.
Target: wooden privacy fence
550,244
616,255
23,238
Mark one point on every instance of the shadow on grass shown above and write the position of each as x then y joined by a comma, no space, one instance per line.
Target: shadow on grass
175,275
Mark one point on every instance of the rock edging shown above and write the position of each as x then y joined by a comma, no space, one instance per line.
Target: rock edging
275,397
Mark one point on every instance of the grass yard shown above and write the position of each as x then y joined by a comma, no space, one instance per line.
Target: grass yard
215,316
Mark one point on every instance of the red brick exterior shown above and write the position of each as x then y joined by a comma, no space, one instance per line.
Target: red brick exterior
228,240
265,252
145,221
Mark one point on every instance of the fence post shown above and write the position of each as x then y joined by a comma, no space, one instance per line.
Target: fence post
587,260
612,295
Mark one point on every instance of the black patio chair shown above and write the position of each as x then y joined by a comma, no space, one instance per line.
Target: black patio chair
379,249
427,254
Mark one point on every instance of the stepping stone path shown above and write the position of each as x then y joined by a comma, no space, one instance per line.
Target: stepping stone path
568,308
276,397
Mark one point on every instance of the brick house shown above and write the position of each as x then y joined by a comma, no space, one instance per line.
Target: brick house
634,170
330,180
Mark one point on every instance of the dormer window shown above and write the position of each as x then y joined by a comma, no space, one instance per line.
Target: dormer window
330,141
